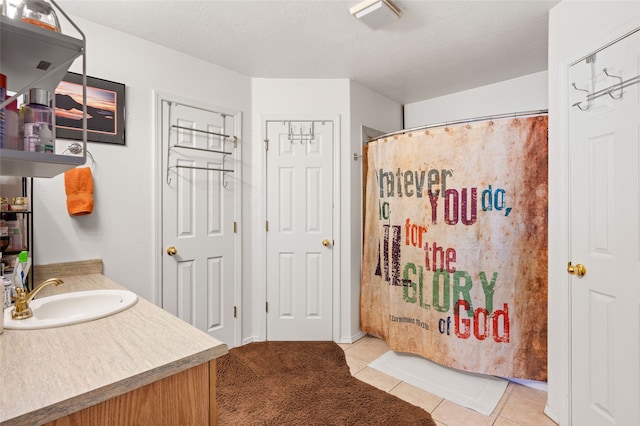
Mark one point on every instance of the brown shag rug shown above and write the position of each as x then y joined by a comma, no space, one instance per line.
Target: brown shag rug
303,383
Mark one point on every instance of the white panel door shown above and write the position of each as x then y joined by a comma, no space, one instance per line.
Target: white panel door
299,238
199,207
605,238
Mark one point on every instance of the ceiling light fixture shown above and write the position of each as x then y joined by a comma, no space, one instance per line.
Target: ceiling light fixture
376,13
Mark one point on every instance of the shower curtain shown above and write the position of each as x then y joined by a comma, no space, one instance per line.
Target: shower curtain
455,245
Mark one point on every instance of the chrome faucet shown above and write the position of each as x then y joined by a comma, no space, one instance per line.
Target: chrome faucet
21,309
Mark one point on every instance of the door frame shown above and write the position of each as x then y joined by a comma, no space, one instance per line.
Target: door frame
158,174
560,231
261,300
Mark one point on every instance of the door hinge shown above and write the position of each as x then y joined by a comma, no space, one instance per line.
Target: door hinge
235,141
235,312
266,144
266,225
266,306
235,227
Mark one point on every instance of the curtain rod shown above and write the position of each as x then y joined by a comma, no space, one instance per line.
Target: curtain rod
468,120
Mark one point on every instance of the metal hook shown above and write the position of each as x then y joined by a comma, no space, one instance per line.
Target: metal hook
613,76
76,148
224,180
577,104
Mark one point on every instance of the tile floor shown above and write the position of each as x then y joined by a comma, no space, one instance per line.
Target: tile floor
520,405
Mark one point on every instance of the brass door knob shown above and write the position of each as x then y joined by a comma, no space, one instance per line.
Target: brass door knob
578,269
171,250
326,243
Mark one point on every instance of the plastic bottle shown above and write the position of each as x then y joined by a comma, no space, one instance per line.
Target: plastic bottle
11,125
21,270
3,95
36,122
16,238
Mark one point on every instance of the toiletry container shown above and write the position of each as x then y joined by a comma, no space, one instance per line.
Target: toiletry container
38,12
3,94
21,270
7,291
2,299
36,122
11,126
5,240
16,238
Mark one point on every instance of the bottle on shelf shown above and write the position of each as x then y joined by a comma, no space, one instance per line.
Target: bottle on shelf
3,94
36,122
10,126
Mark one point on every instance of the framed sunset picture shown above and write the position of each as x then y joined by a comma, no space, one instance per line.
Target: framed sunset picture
105,109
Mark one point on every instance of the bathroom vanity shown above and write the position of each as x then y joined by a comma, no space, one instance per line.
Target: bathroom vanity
139,366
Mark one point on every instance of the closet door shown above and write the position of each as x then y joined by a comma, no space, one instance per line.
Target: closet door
300,230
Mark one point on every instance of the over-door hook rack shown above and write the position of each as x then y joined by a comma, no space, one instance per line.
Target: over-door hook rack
221,134
300,136
606,91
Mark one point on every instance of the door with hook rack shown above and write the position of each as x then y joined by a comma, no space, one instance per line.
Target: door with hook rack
201,196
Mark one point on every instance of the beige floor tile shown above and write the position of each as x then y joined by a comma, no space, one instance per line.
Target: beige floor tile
455,415
368,348
500,405
355,364
525,406
378,379
535,395
416,396
502,421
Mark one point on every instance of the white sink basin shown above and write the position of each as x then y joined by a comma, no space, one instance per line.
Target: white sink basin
71,308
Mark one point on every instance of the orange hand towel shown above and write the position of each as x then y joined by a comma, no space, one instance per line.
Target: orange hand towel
78,185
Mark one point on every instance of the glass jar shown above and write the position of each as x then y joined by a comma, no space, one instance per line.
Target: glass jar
40,13
20,204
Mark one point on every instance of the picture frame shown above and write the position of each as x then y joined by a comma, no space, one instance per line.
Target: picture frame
105,109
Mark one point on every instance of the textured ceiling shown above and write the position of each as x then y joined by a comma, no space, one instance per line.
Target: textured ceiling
436,48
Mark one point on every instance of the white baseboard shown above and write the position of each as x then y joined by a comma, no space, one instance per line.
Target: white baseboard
251,339
549,413
351,339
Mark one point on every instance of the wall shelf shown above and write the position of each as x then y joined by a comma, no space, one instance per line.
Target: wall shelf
35,57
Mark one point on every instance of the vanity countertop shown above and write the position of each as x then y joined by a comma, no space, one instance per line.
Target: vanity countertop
49,373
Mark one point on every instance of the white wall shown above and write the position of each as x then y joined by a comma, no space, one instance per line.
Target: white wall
576,28
355,105
520,94
368,108
122,229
